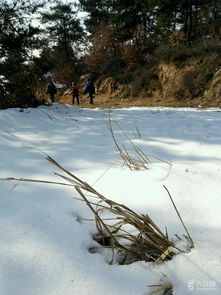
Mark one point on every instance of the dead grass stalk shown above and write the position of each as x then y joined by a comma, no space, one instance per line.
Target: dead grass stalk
132,236
135,160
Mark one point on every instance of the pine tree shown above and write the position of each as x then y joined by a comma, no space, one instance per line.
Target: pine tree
98,11
64,30
17,39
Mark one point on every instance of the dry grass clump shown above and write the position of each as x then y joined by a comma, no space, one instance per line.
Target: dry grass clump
134,236
134,159
166,288
131,236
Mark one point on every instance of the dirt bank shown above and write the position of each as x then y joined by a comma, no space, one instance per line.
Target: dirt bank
193,83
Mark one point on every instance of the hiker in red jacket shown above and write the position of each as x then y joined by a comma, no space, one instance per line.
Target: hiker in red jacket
75,92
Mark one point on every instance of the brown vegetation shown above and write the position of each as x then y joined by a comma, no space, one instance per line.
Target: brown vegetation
181,81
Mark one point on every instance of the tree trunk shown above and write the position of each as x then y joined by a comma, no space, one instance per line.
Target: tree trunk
188,24
190,27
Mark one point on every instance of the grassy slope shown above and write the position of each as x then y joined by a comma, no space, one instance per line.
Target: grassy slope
191,83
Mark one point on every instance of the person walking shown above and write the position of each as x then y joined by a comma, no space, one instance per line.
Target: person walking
51,90
90,89
75,92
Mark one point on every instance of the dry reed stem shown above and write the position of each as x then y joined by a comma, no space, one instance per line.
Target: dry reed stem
188,237
146,156
165,287
134,161
148,242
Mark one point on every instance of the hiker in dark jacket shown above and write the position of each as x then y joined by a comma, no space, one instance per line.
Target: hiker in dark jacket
90,89
75,92
51,90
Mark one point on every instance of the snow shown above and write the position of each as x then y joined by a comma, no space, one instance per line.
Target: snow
44,247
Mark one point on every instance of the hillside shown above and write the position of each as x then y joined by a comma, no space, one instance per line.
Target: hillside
195,82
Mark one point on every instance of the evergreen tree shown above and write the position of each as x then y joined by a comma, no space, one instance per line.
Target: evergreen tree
64,29
17,39
98,11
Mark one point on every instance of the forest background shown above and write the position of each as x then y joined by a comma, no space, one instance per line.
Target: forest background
154,52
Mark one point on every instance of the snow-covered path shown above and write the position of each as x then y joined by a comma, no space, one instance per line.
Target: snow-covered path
44,247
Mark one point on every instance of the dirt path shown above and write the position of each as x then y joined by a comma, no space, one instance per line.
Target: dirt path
105,101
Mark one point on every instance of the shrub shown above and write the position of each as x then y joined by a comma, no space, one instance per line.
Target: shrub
171,53
20,89
103,55
130,55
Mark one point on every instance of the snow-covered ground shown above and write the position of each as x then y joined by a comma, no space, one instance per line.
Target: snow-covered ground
44,247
